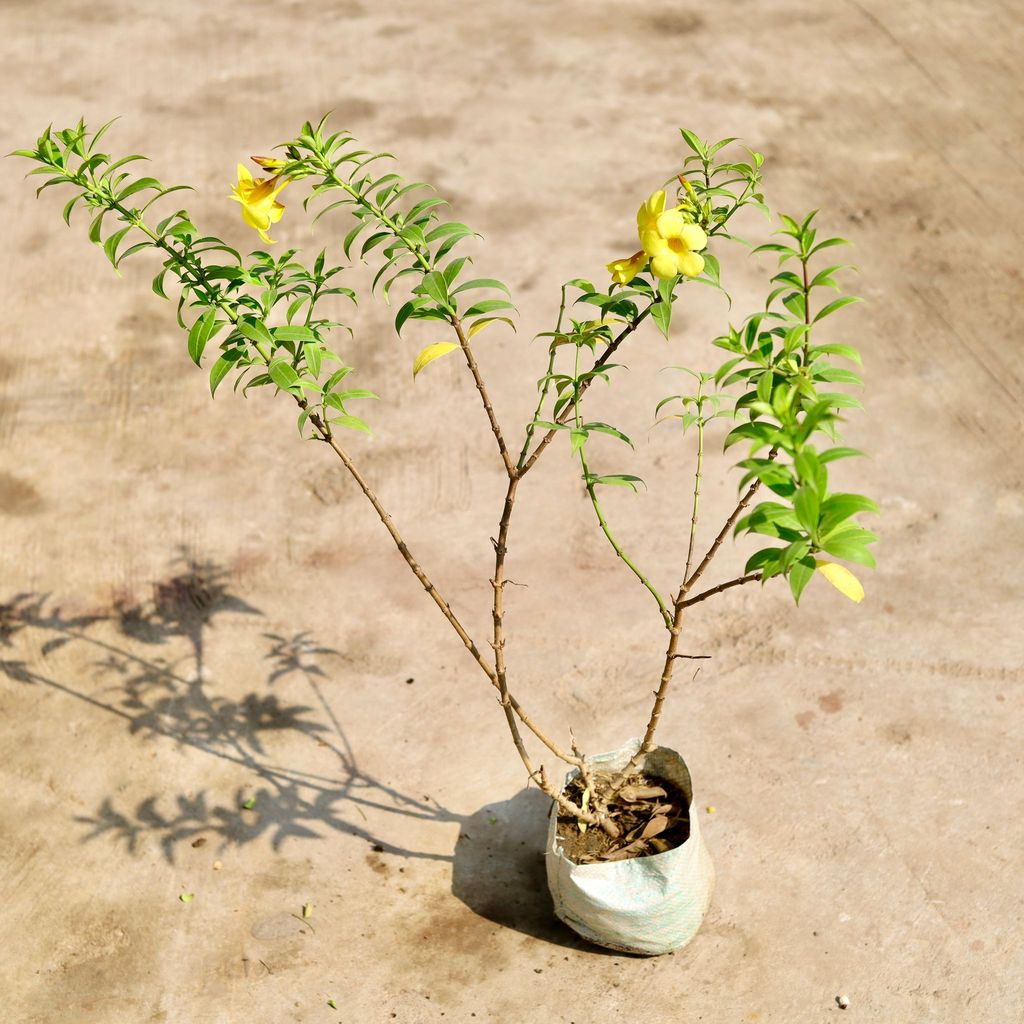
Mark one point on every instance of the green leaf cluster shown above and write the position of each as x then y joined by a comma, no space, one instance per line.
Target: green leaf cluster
262,310
399,227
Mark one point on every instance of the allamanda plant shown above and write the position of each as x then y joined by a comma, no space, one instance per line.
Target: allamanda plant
776,385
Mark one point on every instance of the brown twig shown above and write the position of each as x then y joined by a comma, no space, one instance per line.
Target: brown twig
467,351
738,582
421,575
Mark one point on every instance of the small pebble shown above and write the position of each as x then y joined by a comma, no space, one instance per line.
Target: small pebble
217,865
842,1002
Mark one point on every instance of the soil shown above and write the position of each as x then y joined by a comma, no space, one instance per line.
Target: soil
652,815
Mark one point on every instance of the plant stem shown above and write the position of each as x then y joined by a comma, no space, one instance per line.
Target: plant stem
807,310
510,469
739,581
724,532
592,491
606,530
696,479
427,265
605,356
545,388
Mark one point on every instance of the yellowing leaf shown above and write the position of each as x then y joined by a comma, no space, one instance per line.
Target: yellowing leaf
585,804
842,579
477,326
432,352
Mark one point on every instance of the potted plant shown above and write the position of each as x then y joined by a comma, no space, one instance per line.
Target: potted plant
627,866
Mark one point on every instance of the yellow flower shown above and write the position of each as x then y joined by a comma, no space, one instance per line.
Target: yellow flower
672,244
258,197
623,271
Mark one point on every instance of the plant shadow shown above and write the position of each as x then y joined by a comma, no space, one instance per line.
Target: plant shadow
150,669
145,662
499,872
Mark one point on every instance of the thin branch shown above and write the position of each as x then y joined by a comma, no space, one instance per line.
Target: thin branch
545,388
484,396
750,577
605,356
696,481
616,547
724,532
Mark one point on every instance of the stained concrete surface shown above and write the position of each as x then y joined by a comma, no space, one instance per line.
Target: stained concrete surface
198,612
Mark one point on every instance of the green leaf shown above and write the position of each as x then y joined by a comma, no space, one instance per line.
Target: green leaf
202,330
800,574
345,396
282,373
827,244
851,541
834,305
111,244
158,284
407,311
256,331
487,306
771,519
184,229
845,351
352,423
452,271
336,377
434,286
767,560
483,282
693,142
577,439
293,332
138,186
837,507
806,505
604,428
831,454
131,251
220,368
96,227
311,352
618,480
661,314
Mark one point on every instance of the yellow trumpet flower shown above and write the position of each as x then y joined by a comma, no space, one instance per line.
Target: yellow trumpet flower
258,198
669,240
623,271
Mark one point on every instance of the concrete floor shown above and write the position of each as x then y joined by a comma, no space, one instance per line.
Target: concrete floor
198,611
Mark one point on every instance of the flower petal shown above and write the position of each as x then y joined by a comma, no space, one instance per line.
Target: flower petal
689,263
664,265
653,244
670,224
694,237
